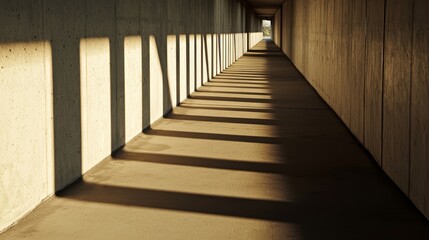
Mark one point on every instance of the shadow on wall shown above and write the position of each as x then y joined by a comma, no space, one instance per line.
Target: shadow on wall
77,79
329,186
368,60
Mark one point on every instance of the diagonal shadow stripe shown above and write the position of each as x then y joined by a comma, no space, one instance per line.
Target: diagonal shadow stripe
239,165
241,82
190,202
269,122
234,85
213,136
232,99
214,107
232,92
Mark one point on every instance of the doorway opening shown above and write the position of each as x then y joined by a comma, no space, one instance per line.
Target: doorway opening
266,29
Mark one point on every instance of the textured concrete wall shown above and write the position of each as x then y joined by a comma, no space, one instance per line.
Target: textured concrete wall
183,70
191,66
277,28
286,28
26,124
79,79
254,38
368,60
198,61
419,118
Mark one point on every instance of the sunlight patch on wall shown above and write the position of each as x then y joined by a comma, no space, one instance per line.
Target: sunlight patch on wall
209,56
156,84
133,86
95,100
215,56
26,128
183,67
198,59
172,68
204,59
191,63
245,42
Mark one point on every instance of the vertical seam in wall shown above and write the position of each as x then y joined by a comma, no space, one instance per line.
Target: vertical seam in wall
46,93
410,102
281,27
195,59
114,43
290,4
86,82
382,87
178,82
364,75
142,66
140,33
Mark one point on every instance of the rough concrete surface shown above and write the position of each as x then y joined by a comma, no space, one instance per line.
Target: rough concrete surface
368,60
255,153
79,79
26,97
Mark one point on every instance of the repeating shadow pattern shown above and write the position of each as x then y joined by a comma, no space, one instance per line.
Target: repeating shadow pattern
334,186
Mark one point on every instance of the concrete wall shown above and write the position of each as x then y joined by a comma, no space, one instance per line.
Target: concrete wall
254,38
277,28
369,60
79,79
26,123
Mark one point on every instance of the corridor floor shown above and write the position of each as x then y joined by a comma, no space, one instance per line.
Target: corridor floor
253,154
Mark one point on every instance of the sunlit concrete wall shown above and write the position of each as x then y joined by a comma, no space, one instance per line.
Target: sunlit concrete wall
26,112
369,60
254,38
276,27
79,79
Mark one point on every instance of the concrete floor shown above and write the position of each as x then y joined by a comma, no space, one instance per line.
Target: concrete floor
253,154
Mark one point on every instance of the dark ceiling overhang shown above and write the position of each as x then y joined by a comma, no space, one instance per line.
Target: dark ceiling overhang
265,8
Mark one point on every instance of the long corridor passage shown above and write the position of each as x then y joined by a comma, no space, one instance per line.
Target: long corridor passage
253,154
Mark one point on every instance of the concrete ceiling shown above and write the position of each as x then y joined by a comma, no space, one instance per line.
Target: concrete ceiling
265,8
